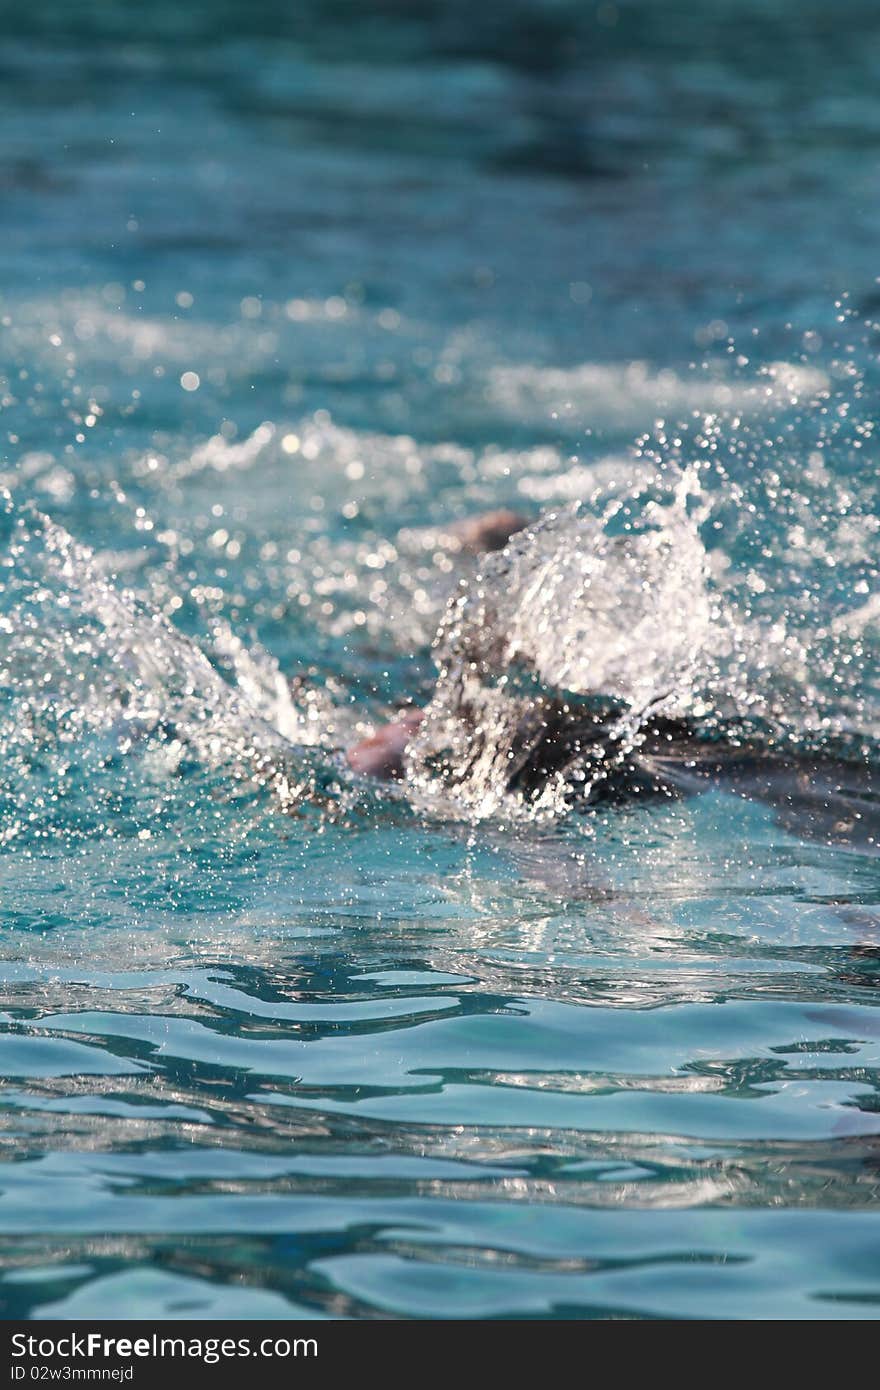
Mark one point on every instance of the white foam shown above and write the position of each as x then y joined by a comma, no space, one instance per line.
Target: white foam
631,395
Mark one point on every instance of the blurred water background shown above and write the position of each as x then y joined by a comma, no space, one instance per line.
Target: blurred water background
284,290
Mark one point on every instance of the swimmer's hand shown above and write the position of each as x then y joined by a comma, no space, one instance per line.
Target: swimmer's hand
382,753
489,531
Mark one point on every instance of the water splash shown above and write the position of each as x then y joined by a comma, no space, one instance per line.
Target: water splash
104,697
563,646
554,661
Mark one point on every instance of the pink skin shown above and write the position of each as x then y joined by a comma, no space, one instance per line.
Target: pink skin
490,531
382,754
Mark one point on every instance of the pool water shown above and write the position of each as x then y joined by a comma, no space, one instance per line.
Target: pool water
281,296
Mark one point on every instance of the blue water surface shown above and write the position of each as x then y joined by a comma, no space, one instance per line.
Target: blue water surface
281,286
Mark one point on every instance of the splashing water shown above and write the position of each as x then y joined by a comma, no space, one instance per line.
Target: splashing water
626,605
95,679
580,609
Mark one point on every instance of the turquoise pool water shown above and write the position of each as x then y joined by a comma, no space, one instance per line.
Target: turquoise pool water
279,293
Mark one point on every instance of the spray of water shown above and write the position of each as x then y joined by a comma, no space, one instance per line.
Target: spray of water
100,684
592,624
561,649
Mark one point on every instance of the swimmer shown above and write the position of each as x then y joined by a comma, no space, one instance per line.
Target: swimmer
825,798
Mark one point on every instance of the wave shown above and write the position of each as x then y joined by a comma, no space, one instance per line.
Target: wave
632,394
